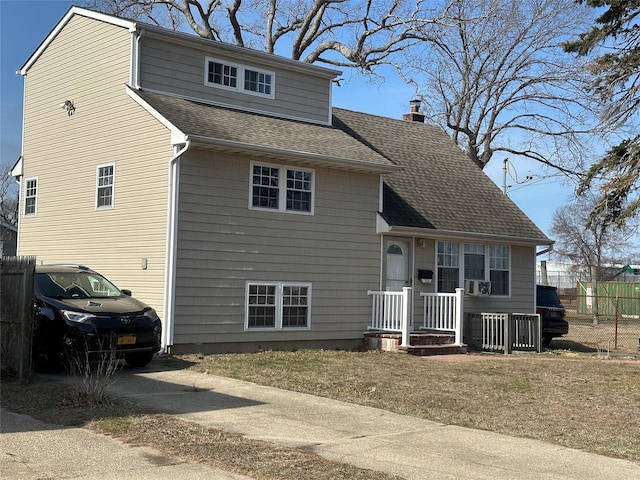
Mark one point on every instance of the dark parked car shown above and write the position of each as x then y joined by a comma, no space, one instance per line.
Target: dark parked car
78,311
551,313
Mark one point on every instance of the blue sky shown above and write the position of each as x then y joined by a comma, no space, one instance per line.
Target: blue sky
25,23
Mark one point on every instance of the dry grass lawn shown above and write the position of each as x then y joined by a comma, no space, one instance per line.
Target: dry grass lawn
575,400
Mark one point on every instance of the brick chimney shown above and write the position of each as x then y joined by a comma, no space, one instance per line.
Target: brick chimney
414,115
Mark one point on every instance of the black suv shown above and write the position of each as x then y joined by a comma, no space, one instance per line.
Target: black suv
79,311
551,313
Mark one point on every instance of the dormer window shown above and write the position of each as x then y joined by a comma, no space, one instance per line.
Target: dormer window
239,78
259,82
223,75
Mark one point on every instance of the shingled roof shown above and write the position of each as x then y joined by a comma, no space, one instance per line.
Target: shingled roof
216,125
439,187
429,183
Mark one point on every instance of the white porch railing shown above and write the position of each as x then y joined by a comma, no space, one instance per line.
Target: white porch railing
504,331
444,312
391,312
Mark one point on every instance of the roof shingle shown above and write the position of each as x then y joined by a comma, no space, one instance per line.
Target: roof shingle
251,129
439,187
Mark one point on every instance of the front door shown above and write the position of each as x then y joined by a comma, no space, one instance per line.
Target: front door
397,265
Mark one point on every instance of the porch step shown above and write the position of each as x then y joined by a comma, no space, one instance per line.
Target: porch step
422,344
426,350
431,338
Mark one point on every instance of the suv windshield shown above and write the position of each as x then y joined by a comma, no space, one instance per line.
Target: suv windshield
547,297
75,285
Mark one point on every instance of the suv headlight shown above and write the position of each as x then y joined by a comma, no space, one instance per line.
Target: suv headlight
78,317
151,314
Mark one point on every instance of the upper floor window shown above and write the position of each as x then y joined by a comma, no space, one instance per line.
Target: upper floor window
259,82
280,188
222,74
231,76
30,196
105,178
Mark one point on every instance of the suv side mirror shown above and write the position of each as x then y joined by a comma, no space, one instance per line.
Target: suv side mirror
126,292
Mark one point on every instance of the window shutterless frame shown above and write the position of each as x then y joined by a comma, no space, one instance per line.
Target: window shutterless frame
281,188
459,261
105,186
30,197
240,78
271,306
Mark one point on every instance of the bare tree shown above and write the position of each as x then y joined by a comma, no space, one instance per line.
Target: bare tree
8,196
360,34
496,78
588,243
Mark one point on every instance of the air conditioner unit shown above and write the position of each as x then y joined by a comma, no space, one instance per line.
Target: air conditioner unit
484,289
477,288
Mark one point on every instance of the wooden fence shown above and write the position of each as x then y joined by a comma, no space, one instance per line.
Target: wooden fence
16,314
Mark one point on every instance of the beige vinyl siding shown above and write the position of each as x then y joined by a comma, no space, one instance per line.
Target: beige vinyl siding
522,274
223,244
178,69
88,63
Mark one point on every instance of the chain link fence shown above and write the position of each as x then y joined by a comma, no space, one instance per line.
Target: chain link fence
602,323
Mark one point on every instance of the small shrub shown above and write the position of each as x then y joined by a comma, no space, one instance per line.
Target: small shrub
91,374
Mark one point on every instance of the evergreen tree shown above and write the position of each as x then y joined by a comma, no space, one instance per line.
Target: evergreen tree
615,42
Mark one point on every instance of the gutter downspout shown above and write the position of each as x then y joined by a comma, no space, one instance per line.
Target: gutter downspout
134,73
172,250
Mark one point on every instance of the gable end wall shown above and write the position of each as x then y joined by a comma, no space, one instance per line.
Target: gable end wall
88,63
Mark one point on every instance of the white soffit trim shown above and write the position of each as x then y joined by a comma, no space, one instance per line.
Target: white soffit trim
381,224
16,170
131,26
177,136
457,235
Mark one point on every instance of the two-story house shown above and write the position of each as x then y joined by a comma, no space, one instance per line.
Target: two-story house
221,186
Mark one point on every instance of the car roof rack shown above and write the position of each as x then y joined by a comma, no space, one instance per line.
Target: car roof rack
77,265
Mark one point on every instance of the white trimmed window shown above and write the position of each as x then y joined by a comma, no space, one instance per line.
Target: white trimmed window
222,74
284,189
477,262
448,266
258,81
240,78
30,196
278,306
105,180
499,269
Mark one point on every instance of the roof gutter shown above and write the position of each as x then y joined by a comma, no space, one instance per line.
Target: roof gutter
172,250
383,227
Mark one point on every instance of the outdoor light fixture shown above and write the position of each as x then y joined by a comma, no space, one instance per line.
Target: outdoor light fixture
68,106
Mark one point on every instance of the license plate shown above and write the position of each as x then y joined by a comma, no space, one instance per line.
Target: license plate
126,340
554,314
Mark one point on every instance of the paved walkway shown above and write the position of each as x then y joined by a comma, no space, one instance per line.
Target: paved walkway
366,437
33,450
